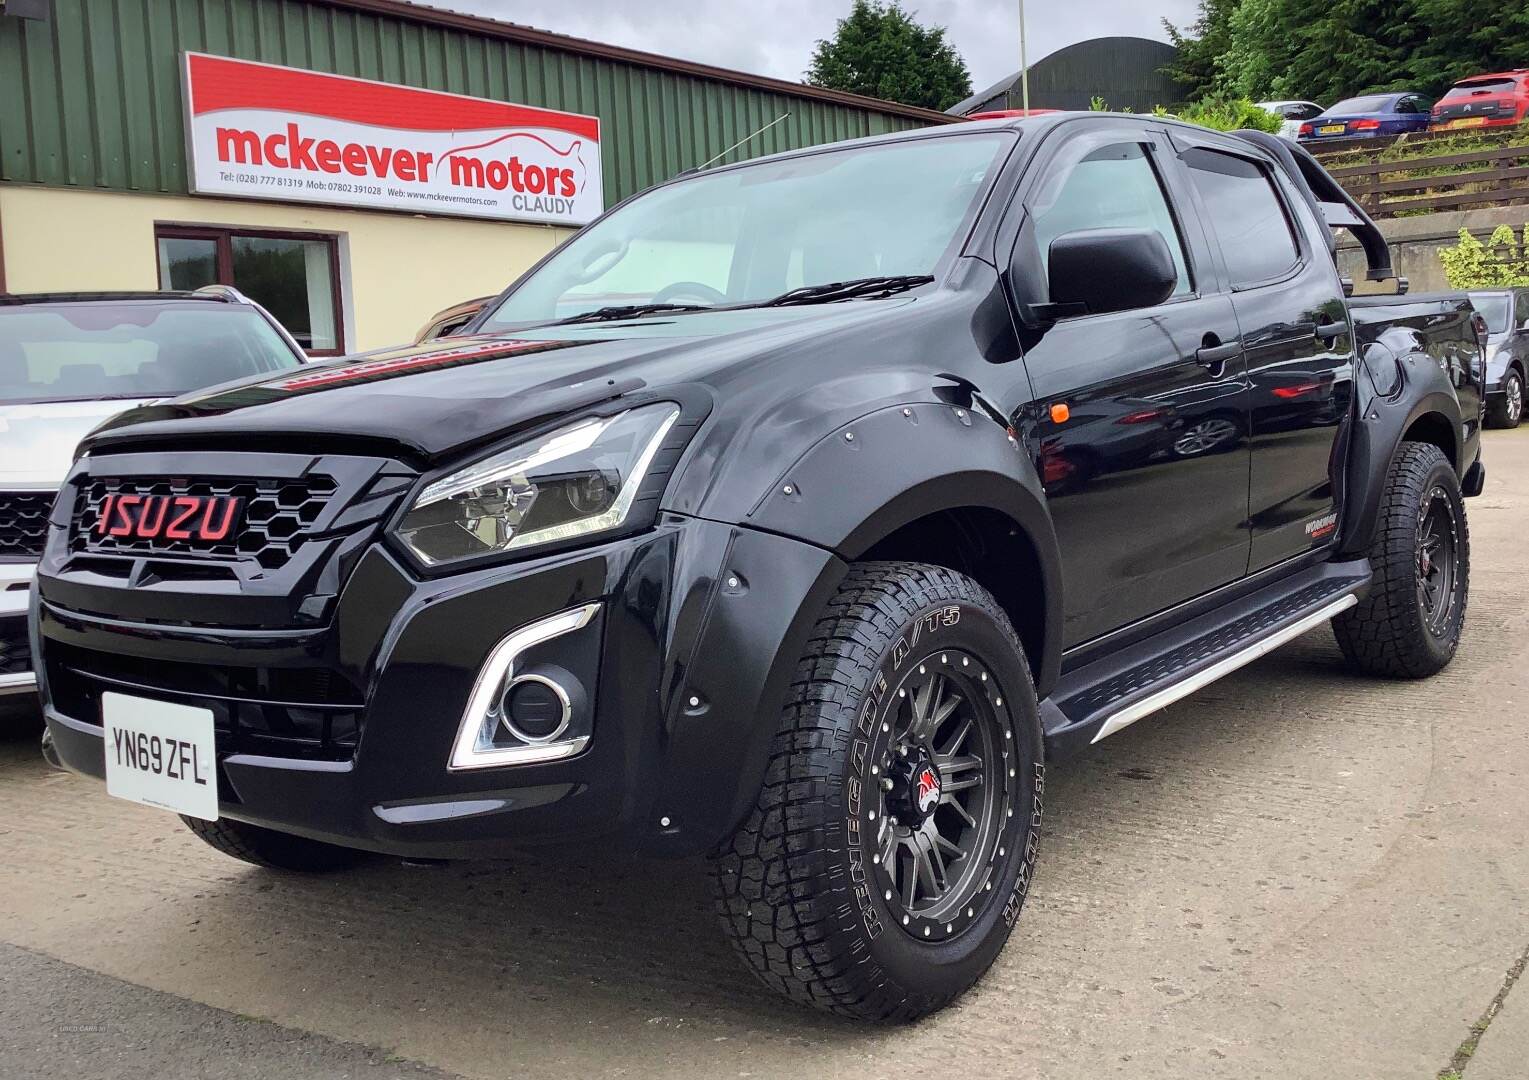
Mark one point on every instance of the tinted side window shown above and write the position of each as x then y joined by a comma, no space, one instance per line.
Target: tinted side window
1247,215
1306,112
1114,187
1521,309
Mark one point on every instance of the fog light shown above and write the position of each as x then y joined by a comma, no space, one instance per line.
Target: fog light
535,708
519,711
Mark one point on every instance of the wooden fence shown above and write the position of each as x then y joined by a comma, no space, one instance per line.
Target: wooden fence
1415,185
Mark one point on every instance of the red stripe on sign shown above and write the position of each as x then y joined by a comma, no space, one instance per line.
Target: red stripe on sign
219,83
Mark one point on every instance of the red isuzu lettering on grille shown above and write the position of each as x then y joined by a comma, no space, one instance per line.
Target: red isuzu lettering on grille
209,518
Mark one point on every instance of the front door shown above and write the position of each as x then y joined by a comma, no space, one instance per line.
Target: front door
1139,417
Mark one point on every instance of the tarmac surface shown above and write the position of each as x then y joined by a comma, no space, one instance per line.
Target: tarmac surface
1295,873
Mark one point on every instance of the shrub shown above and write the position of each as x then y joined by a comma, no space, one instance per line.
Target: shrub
1230,114
1501,261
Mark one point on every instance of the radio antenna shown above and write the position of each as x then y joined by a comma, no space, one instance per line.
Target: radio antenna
740,142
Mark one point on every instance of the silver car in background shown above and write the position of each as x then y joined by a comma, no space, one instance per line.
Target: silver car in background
68,362
1506,312
1291,114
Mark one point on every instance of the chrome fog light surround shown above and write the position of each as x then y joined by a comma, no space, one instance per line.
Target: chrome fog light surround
473,747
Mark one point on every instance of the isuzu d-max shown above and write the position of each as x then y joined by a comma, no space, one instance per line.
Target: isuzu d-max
795,514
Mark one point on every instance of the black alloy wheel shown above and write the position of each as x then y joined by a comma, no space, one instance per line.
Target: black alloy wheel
1438,541
944,774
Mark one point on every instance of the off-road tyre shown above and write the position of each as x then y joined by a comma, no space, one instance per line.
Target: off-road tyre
271,849
1392,632
1506,410
802,887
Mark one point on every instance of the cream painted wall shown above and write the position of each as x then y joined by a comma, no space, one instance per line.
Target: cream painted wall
396,269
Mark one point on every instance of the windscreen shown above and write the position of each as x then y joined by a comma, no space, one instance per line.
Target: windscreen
744,235
1371,104
1470,89
131,349
1495,309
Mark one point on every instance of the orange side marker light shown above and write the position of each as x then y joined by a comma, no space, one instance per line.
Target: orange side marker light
1060,414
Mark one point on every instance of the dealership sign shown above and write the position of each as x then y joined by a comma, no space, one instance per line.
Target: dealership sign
268,132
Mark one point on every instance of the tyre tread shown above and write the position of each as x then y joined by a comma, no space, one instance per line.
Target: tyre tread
765,877
1383,634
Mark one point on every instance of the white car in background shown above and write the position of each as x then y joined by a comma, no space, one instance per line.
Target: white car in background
1292,113
68,362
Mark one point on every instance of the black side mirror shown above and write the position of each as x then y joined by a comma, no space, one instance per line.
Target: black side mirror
1094,271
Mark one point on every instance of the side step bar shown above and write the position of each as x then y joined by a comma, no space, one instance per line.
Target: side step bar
1094,701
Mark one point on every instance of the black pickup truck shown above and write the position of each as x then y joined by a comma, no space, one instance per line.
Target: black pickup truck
795,514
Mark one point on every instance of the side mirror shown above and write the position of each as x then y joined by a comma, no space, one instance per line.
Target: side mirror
1094,271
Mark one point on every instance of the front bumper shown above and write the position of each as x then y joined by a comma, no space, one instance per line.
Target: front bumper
16,676
698,626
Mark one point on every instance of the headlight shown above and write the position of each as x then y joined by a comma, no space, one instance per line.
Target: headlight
577,481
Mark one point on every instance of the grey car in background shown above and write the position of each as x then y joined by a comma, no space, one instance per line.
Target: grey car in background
1507,315
69,361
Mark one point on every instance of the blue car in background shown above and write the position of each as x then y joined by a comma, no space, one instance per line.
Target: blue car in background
1369,116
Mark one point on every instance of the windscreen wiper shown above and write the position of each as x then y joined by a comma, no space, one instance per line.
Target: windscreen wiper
856,288
629,311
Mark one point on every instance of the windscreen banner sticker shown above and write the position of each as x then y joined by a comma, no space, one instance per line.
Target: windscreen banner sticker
268,132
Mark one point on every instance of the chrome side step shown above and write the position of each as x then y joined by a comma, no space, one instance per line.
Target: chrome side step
1093,700
1169,694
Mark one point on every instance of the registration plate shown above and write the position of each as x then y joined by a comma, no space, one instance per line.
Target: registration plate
1468,121
160,754
1332,129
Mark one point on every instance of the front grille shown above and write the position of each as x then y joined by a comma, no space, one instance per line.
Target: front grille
310,713
277,520
15,649
24,522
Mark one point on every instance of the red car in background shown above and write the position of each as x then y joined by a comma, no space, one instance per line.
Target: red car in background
1498,100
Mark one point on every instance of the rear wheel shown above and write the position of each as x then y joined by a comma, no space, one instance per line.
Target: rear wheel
1508,409
1410,623
269,848
892,844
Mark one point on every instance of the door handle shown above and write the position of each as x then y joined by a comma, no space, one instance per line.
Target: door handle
1328,331
1216,356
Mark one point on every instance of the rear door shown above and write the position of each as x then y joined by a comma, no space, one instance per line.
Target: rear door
1139,416
1296,339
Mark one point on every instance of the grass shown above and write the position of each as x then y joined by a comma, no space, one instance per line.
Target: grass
1467,1049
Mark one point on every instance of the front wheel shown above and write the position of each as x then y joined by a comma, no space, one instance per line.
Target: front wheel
269,848
892,844
1508,409
1409,624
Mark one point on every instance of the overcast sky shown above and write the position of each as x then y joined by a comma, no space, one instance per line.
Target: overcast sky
775,37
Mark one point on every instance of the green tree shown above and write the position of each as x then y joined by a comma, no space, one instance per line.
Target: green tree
1330,49
1463,39
880,51
1201,45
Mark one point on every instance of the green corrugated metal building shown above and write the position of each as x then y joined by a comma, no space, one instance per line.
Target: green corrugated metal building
95,187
